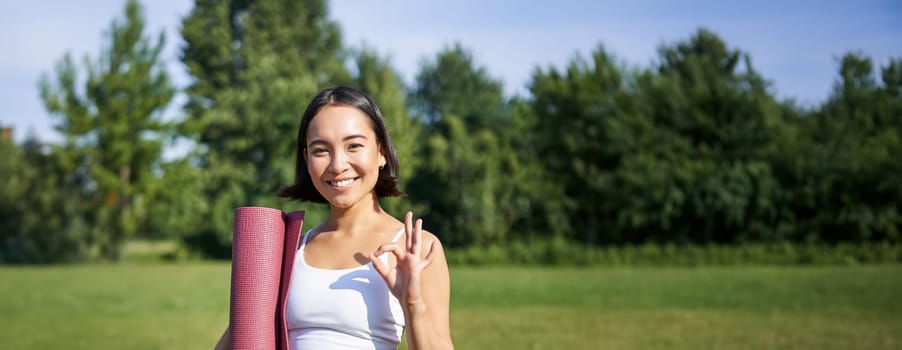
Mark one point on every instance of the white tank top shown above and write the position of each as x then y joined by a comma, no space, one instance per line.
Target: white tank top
341,309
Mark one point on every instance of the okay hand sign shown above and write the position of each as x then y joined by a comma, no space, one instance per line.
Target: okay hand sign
404,279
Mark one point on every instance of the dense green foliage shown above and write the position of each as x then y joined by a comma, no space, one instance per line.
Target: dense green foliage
86,196
693,150
37,225
561,252
255,65
185,306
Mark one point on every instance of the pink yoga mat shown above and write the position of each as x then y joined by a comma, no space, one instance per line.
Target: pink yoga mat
265,242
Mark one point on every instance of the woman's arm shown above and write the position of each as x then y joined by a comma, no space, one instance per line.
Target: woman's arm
224,341
427,319
424,292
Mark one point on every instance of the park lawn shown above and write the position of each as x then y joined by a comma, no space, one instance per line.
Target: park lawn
679,308
185,306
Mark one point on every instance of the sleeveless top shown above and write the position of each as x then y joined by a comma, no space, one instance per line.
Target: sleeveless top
343,308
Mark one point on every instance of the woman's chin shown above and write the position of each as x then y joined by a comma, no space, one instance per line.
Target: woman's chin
342,203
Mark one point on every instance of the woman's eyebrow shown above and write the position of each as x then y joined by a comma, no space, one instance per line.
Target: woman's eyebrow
355,136
316,142
346,138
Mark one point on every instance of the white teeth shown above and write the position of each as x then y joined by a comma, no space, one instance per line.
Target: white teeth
342,183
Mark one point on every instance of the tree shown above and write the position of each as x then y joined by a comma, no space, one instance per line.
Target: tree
850,190
112,126
467,165
719,108
455,84
678,153
16,176
255,66
586,120
42,217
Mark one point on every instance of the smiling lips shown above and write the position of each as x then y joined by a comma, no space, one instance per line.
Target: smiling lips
341,183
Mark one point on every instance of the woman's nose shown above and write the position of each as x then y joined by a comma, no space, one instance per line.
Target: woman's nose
339,162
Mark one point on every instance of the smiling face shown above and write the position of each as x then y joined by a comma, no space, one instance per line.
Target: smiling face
343,156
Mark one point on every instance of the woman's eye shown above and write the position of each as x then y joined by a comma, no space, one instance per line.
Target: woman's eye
318,151
355,146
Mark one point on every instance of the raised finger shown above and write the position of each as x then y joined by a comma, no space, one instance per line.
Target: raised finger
416,240
428,260
408,229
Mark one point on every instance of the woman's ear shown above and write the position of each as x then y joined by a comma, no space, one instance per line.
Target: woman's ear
381,157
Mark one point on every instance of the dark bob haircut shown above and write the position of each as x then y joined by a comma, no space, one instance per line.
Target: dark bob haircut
386,185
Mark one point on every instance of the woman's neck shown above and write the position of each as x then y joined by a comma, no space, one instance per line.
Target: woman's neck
358,218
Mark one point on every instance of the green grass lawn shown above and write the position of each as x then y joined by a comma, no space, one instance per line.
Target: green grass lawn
185,306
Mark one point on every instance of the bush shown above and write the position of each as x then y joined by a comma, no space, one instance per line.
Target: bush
560,252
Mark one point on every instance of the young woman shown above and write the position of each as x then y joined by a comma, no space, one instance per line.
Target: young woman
361,278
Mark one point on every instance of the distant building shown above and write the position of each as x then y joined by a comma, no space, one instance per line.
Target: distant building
31,145
6,133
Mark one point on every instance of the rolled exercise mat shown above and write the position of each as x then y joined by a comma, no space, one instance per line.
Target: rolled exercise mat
293,223
259,241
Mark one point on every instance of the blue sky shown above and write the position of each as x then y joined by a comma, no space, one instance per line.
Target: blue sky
794,44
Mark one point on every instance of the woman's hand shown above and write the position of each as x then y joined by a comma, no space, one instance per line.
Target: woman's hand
424,294
404,279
